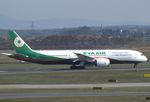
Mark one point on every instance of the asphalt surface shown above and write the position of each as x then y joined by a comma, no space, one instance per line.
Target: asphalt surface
71,86
5,72
34,95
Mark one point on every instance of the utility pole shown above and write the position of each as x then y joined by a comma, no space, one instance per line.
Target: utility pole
101,29
32,26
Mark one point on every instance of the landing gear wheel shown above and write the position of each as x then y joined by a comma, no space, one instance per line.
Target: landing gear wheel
72,67
77,67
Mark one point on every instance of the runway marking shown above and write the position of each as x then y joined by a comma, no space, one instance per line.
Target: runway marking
71,86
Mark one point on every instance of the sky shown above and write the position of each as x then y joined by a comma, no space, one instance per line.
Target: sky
113,11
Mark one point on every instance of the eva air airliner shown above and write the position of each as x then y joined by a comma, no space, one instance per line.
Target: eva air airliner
76,58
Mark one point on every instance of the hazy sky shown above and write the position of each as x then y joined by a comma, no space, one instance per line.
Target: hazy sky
100,10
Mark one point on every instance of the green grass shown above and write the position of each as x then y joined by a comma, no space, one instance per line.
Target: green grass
74,77
79,99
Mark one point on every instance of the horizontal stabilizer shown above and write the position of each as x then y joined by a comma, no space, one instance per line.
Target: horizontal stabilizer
7,54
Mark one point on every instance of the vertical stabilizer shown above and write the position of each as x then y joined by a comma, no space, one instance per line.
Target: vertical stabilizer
18,43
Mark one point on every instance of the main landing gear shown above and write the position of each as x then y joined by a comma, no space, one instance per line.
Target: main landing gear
135,66
77,67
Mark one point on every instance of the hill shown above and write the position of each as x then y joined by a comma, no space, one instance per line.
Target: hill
83,37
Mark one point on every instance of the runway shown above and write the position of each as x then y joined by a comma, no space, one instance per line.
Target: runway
7,72
71,86
40,95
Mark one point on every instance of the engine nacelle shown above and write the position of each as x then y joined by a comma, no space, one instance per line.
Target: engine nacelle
102,62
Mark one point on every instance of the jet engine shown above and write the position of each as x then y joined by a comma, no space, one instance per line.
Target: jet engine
102,62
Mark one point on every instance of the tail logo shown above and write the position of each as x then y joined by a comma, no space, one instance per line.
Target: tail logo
18,42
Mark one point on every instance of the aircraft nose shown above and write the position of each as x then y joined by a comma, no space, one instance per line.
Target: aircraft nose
145,59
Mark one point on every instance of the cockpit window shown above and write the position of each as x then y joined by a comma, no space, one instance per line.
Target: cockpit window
142,54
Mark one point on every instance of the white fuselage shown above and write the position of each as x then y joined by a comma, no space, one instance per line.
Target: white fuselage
117,55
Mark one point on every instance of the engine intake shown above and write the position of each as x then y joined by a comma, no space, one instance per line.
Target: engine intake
102,62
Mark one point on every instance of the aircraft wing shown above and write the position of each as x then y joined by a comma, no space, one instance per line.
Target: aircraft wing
84,58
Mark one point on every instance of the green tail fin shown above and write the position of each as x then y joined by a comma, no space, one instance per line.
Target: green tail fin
18,43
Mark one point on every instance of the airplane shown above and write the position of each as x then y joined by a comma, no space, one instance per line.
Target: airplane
78,59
